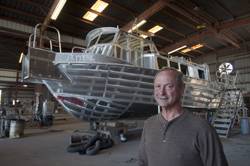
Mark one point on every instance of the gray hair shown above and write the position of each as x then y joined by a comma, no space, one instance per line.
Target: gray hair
179,75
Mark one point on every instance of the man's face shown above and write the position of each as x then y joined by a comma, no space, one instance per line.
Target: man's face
167,92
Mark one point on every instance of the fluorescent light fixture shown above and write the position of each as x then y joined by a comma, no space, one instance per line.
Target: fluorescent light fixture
90,16
58,9
155,29
21,57
137,25
177,49
192,48
143,36
99,6
196,46
186,50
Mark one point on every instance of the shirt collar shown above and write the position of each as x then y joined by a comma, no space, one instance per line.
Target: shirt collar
165,122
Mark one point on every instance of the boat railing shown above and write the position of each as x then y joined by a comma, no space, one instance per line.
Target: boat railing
104,49
42,45
226,81
135,57
39,34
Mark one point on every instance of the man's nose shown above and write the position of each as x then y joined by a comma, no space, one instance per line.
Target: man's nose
162,91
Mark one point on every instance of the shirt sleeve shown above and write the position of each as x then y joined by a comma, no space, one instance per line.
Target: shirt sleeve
210,147
142,151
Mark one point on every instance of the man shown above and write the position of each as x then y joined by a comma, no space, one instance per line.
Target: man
175,137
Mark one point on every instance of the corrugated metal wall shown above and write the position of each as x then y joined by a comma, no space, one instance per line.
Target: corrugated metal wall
240,61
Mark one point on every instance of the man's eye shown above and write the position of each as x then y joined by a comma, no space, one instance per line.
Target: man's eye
170,86
157,86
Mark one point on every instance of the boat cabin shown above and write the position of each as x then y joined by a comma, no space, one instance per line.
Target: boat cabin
140,52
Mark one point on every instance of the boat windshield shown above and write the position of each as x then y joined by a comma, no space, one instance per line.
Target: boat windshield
106,38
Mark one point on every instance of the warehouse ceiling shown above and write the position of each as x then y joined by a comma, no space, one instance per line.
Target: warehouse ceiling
214,24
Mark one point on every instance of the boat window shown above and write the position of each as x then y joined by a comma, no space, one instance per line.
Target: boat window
162,63
146,49
93,41
201,74
174,65
106,38
133,58
118,52
184,69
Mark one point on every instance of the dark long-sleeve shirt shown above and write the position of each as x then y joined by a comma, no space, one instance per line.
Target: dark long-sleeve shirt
184,141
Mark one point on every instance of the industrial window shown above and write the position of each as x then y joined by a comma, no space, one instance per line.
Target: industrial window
184,69
174,65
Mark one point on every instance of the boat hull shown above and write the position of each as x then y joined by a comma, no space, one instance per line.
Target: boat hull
94,87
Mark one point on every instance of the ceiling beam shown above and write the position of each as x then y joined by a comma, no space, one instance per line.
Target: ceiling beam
164,38
221,5
19,12
232,33
226,37
187,41
220,28
181,20
156,7
95,25
121,21
183,13
208,46
196,11
199,13
225,50
120,7
225,25
47,19
166,27
36,5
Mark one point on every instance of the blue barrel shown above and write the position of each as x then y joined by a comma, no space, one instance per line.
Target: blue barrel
244,126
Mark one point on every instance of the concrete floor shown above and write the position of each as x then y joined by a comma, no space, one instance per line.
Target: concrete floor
47,146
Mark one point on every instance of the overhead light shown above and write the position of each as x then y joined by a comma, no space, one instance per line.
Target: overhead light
196,46
90,16
99,6
155,29
137,25
21,57
58,9
25,85
201,26
186,50
177,49
192,48
143,36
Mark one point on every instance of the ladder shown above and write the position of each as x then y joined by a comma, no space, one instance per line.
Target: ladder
224,119
231,102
